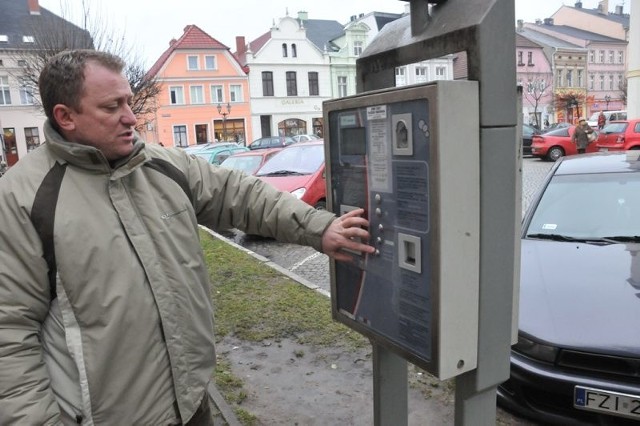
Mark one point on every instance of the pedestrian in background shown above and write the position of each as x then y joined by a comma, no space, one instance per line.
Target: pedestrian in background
582,135
602,120
105,308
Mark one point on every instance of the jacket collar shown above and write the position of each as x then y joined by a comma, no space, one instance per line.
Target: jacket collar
90,158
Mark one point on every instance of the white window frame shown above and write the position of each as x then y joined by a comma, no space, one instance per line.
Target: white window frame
26,94
214,95
358,47
422,74
197,64
343,86
186,132
195,97
4,38
28,39
235,93
621,56
213,59
441,72
5,90
178,93
401,76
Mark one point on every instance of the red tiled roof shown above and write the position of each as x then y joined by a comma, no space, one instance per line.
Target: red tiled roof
193,38
255,45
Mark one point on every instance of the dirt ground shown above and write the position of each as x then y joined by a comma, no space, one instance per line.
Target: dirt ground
290,384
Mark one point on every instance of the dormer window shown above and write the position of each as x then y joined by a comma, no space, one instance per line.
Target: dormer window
28,39
4,37
284,50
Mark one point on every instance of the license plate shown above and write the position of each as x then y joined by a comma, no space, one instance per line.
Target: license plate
603,401
604,149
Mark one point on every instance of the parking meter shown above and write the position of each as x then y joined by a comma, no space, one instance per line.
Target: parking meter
409,157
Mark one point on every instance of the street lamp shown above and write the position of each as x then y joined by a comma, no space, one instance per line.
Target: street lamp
607,99
224,119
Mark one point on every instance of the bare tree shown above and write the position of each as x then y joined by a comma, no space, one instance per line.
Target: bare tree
53,34
534,90
622,86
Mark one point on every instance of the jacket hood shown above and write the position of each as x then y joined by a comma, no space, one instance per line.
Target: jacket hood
581,296
88,157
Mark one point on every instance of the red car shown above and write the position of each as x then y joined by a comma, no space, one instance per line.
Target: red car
249,162
620,136
557,143
299,169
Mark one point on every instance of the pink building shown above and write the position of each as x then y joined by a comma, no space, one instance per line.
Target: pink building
535,75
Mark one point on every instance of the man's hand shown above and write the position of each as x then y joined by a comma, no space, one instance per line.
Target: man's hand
341,234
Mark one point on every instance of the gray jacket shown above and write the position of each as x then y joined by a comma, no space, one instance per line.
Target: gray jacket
105,312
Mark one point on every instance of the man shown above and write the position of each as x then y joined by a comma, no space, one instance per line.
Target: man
581,135
105,312
602,120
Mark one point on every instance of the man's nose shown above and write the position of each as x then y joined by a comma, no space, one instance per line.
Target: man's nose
128,117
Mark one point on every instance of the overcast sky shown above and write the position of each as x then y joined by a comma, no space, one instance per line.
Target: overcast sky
149,25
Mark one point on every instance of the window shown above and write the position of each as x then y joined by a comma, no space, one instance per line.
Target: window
235,93
4,37
441,73
267,83
197,94
177,95
210,62
32,137
192,63
5,94
610,81
22,63
601,58
520,56
314,89
284,50
601,81
559,78
26,93
569,78
620,81
28,39
592,79
530,59
357,48
180,136
217,94
580,83
611,53
401,79
294,51
592,56
292,84
422,74
621,56
342,86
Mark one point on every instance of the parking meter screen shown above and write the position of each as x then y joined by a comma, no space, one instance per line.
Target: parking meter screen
379,158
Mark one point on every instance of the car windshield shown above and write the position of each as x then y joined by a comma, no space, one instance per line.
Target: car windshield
562,131
593,207
297,159
246,163
615,128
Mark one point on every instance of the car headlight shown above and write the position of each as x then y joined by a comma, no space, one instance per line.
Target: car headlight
298,193
535,350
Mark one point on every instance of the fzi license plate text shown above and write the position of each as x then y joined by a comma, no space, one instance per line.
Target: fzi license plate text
603,401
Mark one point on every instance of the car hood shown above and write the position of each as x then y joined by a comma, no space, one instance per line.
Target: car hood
287,183
581,296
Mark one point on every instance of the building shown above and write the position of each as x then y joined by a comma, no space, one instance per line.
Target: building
204,94
598,20
534,74
289,75
25,30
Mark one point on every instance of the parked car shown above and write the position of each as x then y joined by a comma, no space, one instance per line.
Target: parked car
620,136
577,360
219,152
250,161
271,142
198,147
299,169
305,138
609,115
555,126
528,132
557,143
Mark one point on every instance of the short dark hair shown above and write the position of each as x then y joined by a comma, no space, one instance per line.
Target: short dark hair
62,78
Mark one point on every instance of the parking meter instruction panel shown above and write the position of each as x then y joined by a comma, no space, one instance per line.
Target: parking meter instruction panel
380,151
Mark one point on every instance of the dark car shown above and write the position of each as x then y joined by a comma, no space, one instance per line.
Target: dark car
577,360
528,131
620,136
557,143
271,142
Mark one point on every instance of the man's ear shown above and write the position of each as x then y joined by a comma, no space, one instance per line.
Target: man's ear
64,117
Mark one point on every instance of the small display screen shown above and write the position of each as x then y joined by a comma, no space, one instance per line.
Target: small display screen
353,141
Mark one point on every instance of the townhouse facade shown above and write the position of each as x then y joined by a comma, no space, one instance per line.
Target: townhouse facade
534,74
204,94
24,25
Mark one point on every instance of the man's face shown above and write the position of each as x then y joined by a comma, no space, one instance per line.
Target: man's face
105,120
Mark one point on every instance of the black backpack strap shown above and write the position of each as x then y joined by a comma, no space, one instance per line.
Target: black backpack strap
173,173
43,217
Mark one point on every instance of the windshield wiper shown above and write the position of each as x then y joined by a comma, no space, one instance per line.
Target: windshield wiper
282,173
554,237
623,239
587,240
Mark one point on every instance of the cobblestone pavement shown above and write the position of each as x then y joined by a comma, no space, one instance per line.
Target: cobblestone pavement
314,266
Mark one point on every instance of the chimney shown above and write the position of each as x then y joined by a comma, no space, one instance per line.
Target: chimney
619,10
548,21
303,16
353,18
520,25
578,5
34,7
538,21
361,15
240,45
603,7
172,42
